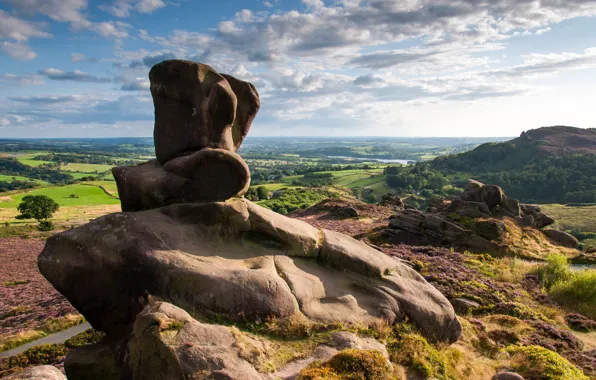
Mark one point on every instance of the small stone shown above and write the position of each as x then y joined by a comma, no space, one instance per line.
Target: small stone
507,376
43,372
463,305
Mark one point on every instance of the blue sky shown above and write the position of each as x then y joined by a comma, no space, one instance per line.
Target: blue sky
78,68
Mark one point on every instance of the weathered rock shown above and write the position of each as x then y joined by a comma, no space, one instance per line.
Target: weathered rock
464,305
472,222
196,107
92,362
236,259
536,216
507,376
494,198
562,238
343,213
166,343
205,176
391,200
43,372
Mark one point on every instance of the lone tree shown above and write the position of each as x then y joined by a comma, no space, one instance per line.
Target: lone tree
39,207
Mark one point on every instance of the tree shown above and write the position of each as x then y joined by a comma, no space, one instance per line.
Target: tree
39,207
263,193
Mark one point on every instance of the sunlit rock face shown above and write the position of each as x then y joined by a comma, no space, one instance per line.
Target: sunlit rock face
188,238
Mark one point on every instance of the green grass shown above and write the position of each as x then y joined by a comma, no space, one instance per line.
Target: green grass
28,160
87,195
85,168
576,290
276,186
69,167
569,218
8,178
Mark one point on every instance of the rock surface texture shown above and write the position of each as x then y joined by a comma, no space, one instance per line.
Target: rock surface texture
43,372
474,221
201,119
193,243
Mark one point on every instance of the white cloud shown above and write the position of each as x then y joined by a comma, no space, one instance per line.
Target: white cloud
74,76
17,50
70,11
23,79
20,30
123,8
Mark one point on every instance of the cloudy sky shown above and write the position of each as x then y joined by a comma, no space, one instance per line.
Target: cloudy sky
78,68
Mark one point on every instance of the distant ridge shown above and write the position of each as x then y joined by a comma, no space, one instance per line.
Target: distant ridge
549,164
560,140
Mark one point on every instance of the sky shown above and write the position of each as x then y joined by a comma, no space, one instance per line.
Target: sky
79,68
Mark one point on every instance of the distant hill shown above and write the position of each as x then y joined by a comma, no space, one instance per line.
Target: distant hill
550,164
559,140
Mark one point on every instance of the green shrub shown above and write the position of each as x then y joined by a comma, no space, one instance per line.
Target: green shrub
38,355
350,364
90,336
578,292
555,270
413,351
46,225
538,363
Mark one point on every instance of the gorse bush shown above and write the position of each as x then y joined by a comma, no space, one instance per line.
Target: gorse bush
573,289
555,270
578,292
538,363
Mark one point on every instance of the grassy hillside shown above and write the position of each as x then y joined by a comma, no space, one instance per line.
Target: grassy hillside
545,165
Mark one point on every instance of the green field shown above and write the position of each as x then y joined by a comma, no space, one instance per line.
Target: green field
569,218
28,160
85,168
69,167
347,179
109,186
8,178
87,195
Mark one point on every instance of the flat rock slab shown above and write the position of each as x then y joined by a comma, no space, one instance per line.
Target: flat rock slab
239,260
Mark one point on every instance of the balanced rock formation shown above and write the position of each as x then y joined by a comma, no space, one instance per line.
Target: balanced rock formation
474,221
201,119
232,258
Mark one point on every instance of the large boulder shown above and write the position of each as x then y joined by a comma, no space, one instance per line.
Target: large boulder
165,343
562,238
239,260
196,107
205,176
201,118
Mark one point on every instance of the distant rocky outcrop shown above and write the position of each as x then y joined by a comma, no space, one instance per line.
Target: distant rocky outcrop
194,243
480,220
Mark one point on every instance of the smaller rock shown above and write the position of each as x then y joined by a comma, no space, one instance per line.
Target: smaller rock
507,376
391,200
42,372
463,305
344,213
562,238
